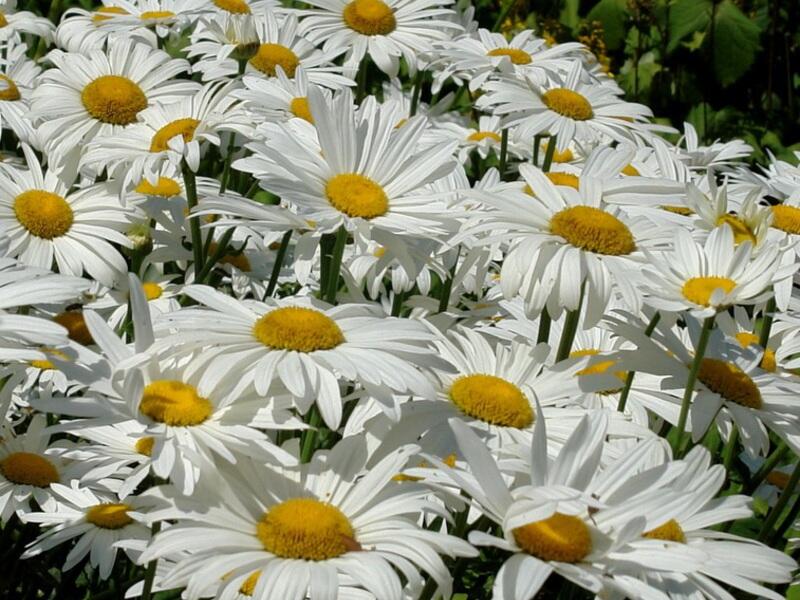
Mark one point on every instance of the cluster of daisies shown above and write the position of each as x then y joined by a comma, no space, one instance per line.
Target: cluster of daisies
361,300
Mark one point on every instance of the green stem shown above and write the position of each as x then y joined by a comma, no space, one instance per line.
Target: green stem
416,93
537,144
549,153
429,590
335,265
544,327
309,437
699,351
194,221
397,303
623,397
276,268
766,323
785,525
780,505
222,247
766,468
361,79
729,451
503,153
150,573
447,288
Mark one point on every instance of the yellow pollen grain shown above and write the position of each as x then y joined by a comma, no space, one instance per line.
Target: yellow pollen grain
113,99
166,187
356,196
298,329
43,214
565,179
305,529
27,468
9,92
769,361
104,13
593,230
369,17
515,55
236,7
670,531
786,218
270,56
144,445
180,127
109,515
568,103
479,136
493,400
562,538
174,403
300,109
154,15
741,231
75,325
700,289
152,291
730,382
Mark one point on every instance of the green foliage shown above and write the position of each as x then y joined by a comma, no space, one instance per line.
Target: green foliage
613,15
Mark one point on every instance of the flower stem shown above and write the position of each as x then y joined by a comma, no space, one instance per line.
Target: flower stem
780,505
416,93
335,265
543,336
310,435
218,253
549,153
194,221
503,153
766,323
623,397
447,287
766,468
569,331
150,572
537,144
276,268
729,451
397,303
699,351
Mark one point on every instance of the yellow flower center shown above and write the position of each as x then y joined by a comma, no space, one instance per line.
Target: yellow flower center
562,538
492,400
598,368
154,15
104,13
699,289
152,291
741,231
299,329
517,56
27,468
305,529
561,157
479,136
565,179
299,107
183,127
165,187
43,214
109,515
630,170
449,460
786,218
593,230
777,478
9,92
270,56
678,210
46,364
249,585
730,382
236,7
369,17
113,99
768,362
568,104
175,403
75,325
144,445
3,20
356,196
670,531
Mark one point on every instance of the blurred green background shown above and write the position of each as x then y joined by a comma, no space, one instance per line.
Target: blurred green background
729,67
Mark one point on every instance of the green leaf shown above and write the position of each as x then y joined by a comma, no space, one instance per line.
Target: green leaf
613,15
793,593
569,14
736,42
647,69
685,18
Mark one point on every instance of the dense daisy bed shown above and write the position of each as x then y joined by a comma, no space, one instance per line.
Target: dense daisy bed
361,300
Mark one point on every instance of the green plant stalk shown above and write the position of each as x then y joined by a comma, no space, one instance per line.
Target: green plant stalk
549,153
276,268
447,288
766,468
537,142
786,524
766,323
699,351
361,79
309,437
543,336
397,303
150,572
194,222
335,265
569,331
729,451
780,505
218,253
503,153
623,397
416,93
223,186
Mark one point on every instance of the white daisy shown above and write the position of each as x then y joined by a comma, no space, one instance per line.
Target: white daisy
17,82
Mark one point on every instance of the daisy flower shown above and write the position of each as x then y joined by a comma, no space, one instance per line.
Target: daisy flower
14,23
17,82
566,107
166,17
82,30
709,278
99,520
484,139
305,345
45,221
296,532
100,94
278,98
385,31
